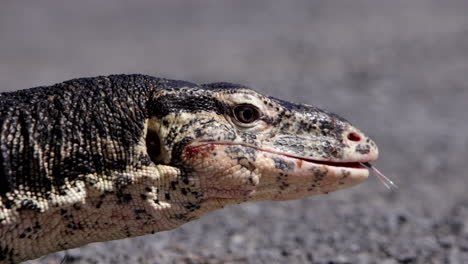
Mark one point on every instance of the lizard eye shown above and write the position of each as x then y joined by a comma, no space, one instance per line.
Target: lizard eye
246,113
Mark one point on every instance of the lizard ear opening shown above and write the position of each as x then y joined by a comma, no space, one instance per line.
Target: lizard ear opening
153,145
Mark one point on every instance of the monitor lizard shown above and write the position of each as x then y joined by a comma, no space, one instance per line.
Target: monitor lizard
111,157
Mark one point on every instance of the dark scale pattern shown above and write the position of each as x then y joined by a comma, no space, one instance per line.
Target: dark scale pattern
229,87
64,125
191,103
306,109
283,165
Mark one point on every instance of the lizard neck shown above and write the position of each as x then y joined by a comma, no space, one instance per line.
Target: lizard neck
125,204
67,153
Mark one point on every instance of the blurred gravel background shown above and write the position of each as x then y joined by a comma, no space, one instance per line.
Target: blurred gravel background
397,69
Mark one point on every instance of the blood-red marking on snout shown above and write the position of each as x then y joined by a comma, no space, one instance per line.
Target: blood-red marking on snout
195,151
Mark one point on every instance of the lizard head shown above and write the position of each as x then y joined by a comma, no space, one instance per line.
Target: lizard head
238,145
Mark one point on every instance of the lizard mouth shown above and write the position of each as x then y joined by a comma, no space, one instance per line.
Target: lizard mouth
358,165
337,164
334,164
352,165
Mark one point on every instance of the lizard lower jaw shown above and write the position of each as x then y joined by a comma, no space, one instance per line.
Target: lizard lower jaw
307,178
351,172
349,165
348,169
353,169
356,164
248,173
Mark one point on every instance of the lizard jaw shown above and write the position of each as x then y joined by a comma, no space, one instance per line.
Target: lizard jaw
346,164
339,174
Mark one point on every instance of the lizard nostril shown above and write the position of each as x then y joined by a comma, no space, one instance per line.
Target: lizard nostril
354,137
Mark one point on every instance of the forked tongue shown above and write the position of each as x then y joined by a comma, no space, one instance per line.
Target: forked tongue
386,181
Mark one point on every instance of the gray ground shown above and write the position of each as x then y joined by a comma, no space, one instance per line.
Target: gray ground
397,69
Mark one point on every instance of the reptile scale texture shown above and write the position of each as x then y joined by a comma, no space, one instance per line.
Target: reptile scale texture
111,157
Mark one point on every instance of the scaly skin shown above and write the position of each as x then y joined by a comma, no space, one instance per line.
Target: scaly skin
97,159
